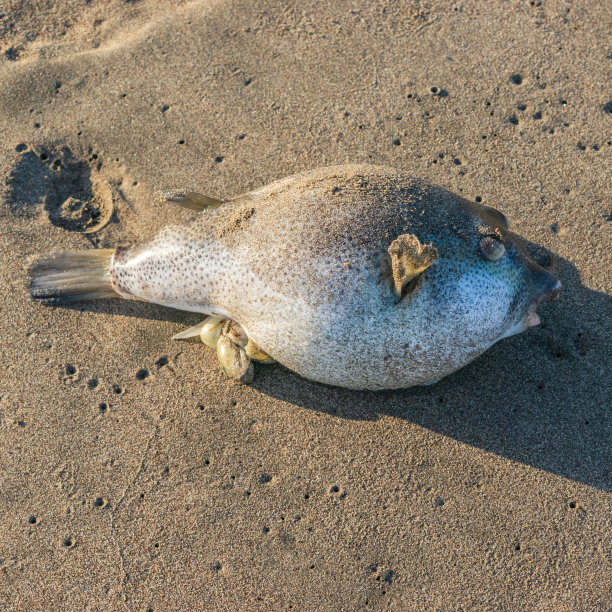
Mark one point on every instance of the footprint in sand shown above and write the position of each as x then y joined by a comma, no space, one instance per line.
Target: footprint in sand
74,195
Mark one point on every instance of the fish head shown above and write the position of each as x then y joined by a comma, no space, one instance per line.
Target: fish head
488,285
533,285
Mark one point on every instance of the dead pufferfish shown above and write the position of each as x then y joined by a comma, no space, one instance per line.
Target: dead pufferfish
357,276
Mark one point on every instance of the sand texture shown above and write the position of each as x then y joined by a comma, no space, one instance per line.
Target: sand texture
135,476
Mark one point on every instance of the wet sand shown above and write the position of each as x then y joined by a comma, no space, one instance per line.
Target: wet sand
135,476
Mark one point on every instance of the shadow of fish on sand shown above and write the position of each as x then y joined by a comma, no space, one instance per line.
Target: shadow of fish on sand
524,399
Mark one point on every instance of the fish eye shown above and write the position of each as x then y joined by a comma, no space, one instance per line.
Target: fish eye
492,248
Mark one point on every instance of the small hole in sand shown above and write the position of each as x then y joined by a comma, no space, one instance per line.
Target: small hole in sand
434,90
11,53
102,407
219,159
516,78
164,108
32,520
181,141
478,199
70,369
307,496
572,504
335,489
44,156
68,542
397,142
161,362
117,390
142,374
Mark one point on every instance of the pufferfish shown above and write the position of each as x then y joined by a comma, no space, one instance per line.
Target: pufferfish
357,276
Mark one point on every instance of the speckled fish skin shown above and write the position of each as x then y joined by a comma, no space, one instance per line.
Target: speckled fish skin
302,265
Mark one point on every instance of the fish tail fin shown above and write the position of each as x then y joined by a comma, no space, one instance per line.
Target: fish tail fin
73,276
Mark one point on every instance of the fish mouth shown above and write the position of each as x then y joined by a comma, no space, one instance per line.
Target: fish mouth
549,294
532,320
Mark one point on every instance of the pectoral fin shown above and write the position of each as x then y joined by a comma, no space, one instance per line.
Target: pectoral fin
409,258
191,332
188,199
254,352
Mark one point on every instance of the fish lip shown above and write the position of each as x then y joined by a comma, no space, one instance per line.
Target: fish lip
531,319
550,295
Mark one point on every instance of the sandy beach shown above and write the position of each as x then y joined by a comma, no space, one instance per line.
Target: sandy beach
135,476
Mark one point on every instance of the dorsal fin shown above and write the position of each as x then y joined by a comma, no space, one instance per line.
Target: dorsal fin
188,199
